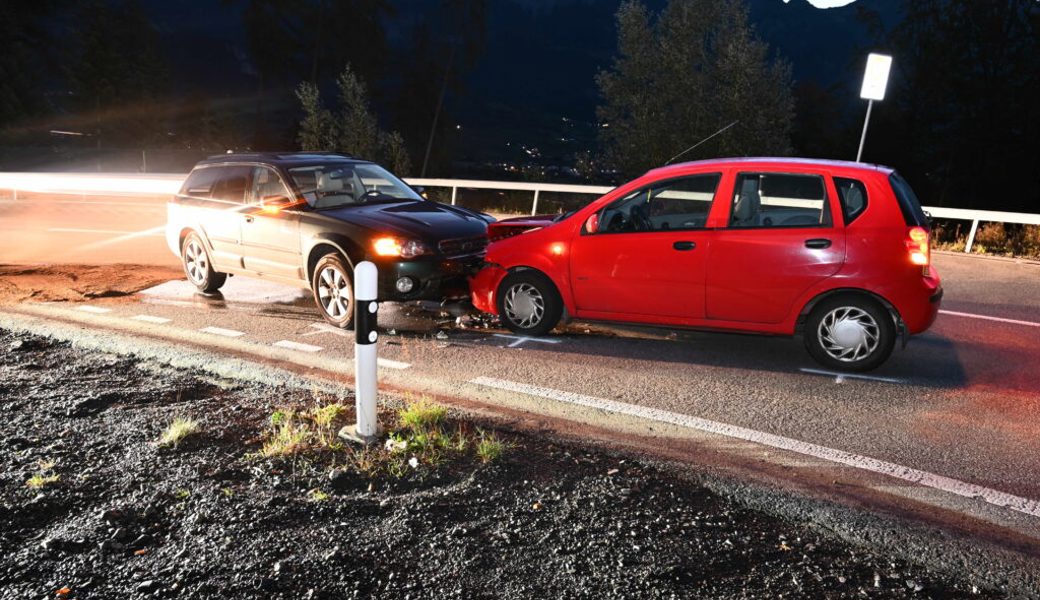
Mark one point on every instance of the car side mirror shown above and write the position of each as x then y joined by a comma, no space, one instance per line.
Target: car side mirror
421,191
275,203
592,223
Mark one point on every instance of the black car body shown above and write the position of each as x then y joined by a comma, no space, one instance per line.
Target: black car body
279,216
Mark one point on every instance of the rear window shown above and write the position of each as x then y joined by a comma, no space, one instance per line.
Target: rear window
909,205
200,182
853,196
232,184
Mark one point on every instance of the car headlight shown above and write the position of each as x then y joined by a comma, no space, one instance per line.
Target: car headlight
389,246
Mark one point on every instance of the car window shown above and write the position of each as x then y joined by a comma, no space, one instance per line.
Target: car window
331,185
853,196
675,204
267,184
779,200
231,183
909,205
200,182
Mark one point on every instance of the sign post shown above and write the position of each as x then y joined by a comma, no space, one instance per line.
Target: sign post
875,80
366,388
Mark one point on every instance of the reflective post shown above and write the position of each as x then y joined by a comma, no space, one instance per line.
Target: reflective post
366,388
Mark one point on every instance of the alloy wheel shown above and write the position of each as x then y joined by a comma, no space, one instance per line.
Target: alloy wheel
334,292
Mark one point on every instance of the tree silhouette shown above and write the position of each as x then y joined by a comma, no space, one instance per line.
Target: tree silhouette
684,75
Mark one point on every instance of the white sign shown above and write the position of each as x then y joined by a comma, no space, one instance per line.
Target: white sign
875,80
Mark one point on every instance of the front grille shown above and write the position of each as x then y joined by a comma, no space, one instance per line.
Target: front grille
463,246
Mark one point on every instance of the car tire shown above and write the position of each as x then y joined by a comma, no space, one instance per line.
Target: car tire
198,267
333,289
850,333
529,303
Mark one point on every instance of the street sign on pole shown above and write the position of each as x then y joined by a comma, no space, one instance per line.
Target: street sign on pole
875,81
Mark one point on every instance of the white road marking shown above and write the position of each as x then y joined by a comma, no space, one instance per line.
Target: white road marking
297,346
97,310
841,377
151,319
326,328
988,318
101,231
392,364
1028,506
520,339
223,332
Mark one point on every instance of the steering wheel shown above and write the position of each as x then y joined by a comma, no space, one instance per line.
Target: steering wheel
369,194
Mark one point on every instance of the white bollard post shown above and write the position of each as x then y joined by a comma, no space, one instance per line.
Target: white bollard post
366,388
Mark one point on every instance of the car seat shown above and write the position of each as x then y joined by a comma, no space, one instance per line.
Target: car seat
746,208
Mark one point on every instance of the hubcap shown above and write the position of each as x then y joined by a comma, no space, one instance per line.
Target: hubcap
524,305
196,264
849,334
334,292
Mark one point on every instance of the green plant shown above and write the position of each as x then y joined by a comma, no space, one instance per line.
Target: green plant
44,477
421,415
182,493
179,429
489,447
317,495
287,437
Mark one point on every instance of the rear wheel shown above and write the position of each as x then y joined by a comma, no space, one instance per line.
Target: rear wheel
198,267
528,303
850,333
333,290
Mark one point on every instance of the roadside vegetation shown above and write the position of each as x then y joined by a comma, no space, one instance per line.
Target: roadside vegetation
998,239
420,439
177,431
44,477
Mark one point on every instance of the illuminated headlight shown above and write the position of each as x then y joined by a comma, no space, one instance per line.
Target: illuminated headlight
405,285
388,246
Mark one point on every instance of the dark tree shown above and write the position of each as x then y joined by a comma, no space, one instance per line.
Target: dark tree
28,52
685,74
962,115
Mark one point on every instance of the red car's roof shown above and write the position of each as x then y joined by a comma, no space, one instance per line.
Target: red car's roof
771,162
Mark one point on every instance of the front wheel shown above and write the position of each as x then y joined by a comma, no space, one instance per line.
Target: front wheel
198,267
528,303
333,290
850,333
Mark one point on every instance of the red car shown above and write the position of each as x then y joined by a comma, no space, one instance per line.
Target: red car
835,251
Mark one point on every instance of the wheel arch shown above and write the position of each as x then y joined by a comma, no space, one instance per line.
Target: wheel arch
322,246
857,292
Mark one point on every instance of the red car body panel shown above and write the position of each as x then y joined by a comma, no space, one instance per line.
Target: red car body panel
759,280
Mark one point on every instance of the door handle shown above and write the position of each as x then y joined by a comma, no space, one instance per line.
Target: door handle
818,243
249,218
684,245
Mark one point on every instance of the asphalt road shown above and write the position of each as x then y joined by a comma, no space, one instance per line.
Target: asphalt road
960,404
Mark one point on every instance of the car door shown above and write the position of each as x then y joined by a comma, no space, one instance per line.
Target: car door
647,256
780,241
270,228
219,193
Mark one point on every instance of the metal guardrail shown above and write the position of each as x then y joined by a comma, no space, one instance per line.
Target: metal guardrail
135,183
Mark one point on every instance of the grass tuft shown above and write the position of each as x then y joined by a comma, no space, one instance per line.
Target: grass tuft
44,477
178,430
489,447
421,415
317,495
288,437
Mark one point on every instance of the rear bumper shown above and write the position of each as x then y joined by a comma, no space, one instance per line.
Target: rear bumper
920,313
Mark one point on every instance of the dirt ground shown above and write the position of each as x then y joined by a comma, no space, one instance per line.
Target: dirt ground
57,283
117,516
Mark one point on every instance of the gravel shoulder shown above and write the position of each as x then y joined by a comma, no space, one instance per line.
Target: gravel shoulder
126,518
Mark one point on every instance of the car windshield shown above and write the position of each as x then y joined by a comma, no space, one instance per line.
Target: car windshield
332,185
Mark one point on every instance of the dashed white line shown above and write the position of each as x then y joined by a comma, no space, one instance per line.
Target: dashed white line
297,346
224,332
326,328
97,310
841,377
151,319
1028,506
988,318
392,364
521,339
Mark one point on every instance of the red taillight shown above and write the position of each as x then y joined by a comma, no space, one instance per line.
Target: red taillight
917,246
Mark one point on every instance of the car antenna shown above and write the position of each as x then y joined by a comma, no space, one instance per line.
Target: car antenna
701,142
